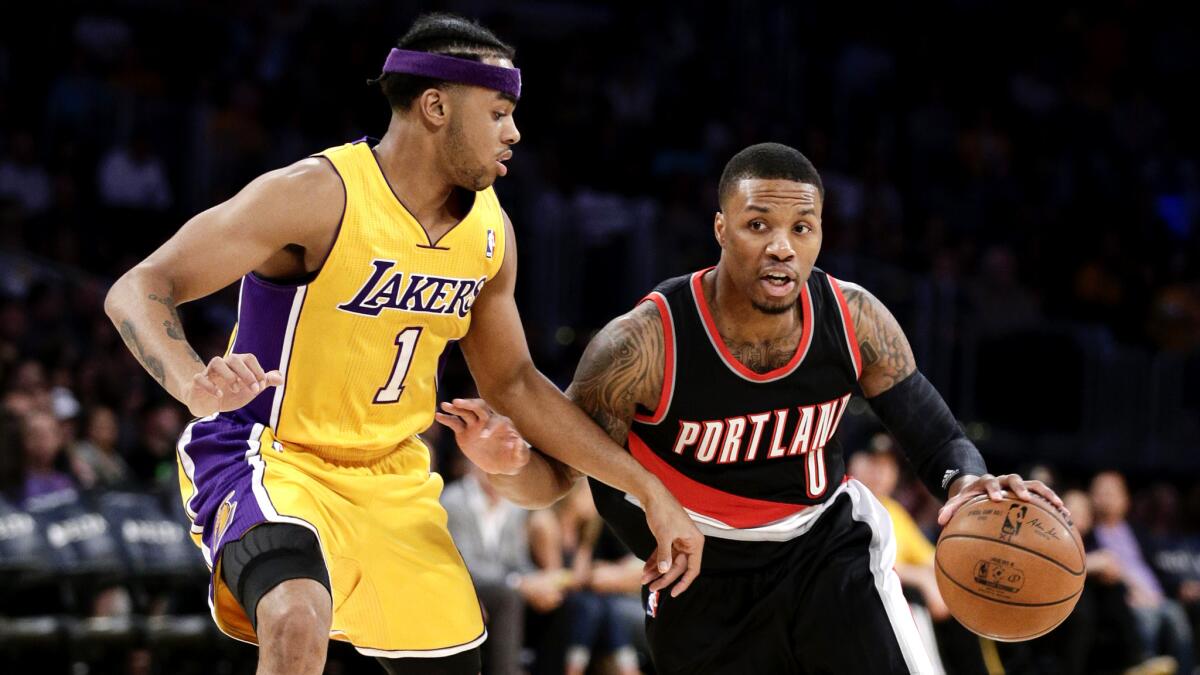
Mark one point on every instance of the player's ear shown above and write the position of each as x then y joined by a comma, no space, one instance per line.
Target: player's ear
719,228
434,106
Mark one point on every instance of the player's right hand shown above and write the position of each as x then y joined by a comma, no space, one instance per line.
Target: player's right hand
228,383
486,437
680,544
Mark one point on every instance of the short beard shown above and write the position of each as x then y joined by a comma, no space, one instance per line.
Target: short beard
466,177
774,309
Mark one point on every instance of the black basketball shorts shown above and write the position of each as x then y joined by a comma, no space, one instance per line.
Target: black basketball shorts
832,604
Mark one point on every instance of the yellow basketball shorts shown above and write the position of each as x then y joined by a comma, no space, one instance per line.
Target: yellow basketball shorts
400,587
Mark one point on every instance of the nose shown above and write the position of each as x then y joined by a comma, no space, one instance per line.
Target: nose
780,248
512,135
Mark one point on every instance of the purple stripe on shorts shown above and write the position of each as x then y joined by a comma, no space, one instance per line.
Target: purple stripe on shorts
223,478
263,311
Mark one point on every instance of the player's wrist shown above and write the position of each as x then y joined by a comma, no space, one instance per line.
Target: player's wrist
648,489
960,483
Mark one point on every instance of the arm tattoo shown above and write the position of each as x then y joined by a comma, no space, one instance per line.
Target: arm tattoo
152,363
622,367
173,326
887,357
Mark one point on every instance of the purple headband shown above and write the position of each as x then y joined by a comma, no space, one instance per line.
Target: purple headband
452,69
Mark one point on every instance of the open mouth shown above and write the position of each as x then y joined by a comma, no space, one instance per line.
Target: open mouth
777,284
500,162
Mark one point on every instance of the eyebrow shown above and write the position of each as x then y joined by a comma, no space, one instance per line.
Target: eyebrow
507,97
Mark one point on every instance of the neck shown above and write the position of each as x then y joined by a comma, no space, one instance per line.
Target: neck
1110,520
408,156
736,317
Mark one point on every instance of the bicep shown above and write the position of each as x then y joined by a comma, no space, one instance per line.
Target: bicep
220,245
620,369
887,358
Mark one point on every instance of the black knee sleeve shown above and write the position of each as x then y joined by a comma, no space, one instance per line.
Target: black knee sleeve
267,556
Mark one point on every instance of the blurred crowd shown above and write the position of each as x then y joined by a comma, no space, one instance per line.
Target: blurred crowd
1139,612
984,188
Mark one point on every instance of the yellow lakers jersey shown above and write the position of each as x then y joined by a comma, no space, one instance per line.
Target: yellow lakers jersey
360,346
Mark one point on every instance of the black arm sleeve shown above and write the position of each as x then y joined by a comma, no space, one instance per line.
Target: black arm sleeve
921,421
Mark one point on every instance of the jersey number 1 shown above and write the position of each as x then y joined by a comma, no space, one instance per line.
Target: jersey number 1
390,392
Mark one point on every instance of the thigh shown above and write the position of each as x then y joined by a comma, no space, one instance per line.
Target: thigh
719,625
851,614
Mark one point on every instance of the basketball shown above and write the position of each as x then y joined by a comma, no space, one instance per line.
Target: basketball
1010,570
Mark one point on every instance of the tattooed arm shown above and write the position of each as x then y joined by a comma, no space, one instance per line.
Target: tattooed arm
498,356
621,368
259,228
887,357
945,459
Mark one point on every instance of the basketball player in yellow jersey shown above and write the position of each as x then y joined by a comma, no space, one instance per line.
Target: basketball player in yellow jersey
309,491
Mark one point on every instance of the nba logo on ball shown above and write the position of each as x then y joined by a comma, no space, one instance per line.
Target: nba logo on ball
1012,521
491,243
652,604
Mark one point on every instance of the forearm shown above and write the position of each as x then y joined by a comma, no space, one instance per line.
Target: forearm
541,483
550,421
919,418
142,307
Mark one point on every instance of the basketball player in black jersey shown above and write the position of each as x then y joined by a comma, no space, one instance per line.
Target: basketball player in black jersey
729,385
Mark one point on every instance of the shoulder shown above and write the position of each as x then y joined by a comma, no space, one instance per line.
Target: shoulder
308,195
623,365
864,307
638,330
313,179
850,289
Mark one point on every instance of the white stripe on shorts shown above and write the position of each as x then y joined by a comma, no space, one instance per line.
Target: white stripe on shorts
865,508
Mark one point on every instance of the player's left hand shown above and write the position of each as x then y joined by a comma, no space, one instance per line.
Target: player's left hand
967,487
486,437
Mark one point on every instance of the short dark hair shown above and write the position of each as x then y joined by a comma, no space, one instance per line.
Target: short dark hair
439,33
768,161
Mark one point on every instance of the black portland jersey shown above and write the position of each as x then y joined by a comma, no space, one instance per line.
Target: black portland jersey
751,456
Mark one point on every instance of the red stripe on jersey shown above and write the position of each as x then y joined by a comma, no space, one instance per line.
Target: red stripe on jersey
730,360
733,510
848,322
668,383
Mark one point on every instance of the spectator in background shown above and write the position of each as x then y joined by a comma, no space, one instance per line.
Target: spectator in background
878,468
1172,552
133,177
42,477
1101,634
494,538
97,451
1157,616
22,178
27,391
153,460
604,577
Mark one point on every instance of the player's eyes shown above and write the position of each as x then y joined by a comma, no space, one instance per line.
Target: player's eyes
757,225
801,228
498,115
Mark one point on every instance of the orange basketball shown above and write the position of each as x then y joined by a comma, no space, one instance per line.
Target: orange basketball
1010,570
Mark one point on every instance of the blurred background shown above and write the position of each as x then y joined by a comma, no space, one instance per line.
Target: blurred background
1018,182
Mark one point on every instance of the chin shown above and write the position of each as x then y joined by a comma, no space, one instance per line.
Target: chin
775,305
484,180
